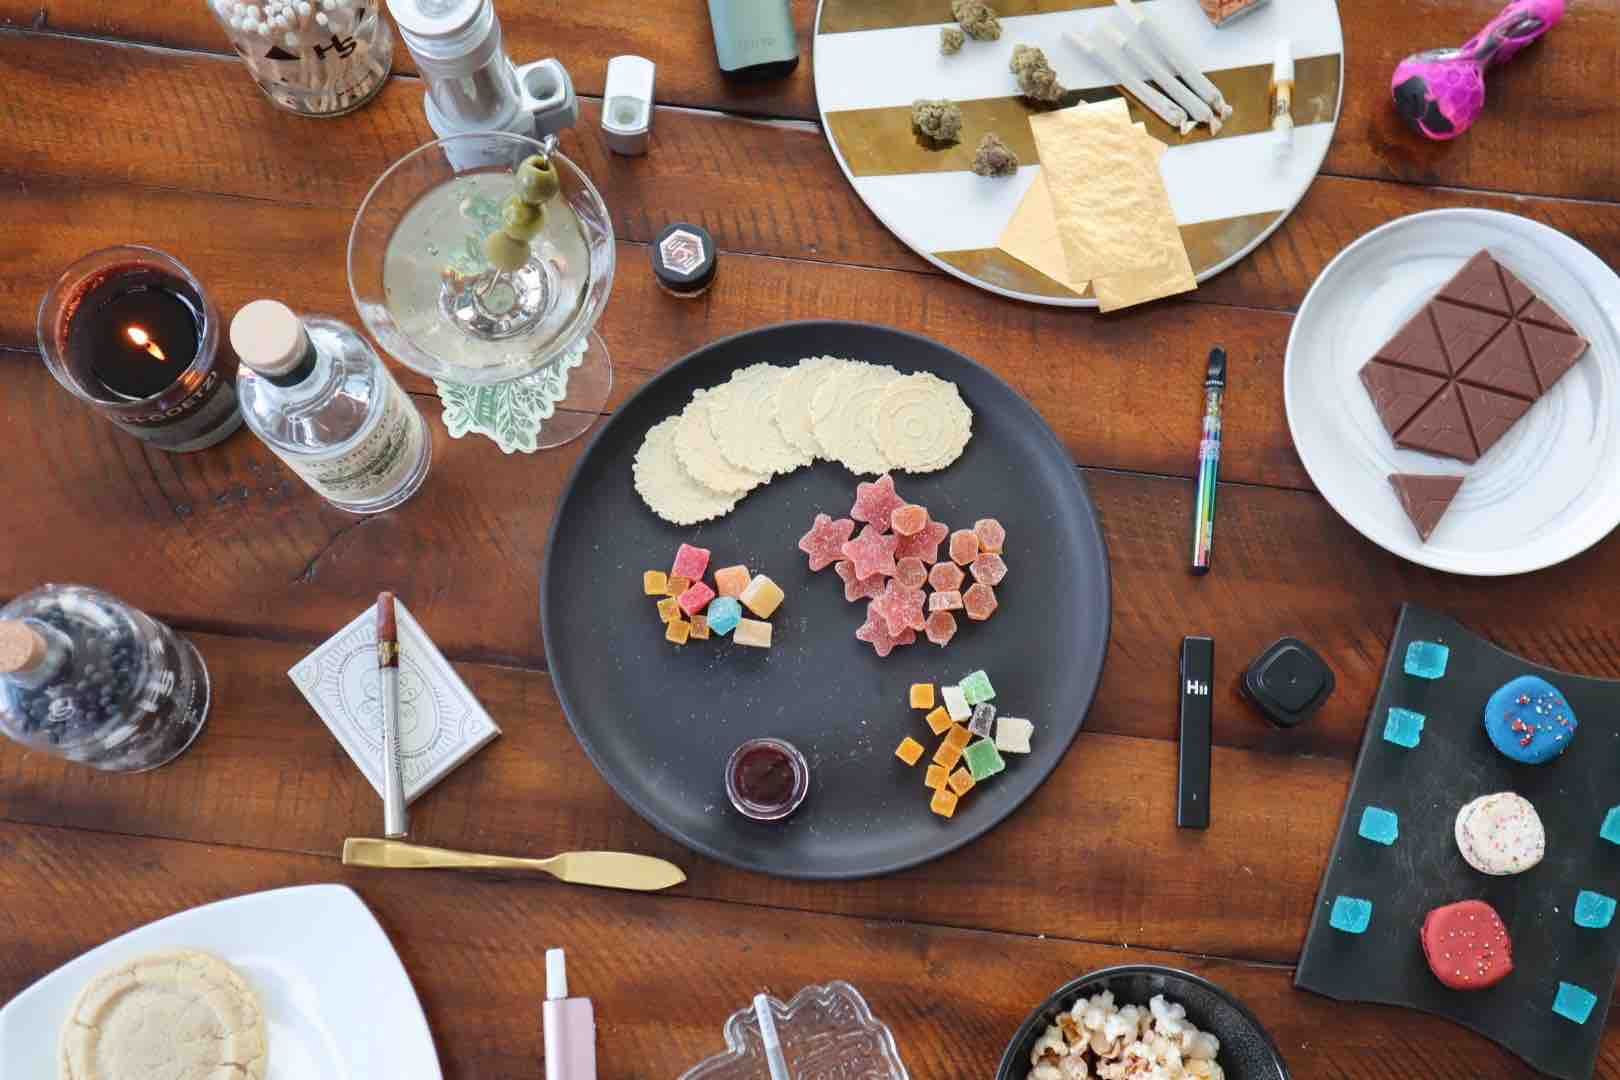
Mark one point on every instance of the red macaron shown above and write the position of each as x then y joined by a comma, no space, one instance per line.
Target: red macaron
1467,945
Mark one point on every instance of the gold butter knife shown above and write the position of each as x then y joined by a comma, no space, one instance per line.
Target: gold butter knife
608,869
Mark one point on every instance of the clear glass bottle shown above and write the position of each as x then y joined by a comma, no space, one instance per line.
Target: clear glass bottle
311,57
86,677
319,396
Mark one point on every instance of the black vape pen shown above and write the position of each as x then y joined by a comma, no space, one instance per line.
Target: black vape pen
1197,713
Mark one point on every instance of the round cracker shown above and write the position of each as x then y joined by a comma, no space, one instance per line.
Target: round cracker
922,423
742,417
181,1013
844,416
794,394
669,490
700,455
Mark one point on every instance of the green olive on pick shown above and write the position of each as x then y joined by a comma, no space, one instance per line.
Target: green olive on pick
506,253
521,220
537,181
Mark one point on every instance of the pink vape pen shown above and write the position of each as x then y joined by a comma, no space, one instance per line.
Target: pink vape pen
570,1026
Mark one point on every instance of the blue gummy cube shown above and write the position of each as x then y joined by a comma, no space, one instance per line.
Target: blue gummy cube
725,612
1426,659
1351,914
1593,910
977,689
1404,728
1379,825
1611,825
1574,1002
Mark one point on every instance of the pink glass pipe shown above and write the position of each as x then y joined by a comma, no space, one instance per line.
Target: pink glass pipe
1441,92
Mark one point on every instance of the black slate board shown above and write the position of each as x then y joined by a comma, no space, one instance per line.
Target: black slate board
1426,786
659,721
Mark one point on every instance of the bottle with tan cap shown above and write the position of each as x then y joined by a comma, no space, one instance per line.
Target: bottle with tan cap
319,396
86,677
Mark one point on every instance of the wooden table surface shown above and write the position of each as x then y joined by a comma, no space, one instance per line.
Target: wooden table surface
133,123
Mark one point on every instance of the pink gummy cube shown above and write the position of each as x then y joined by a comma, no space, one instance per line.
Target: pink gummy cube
949,600
946,577
989,569
690,563
964,546
980,602
910,572
909,520
941,628
991,535
695,598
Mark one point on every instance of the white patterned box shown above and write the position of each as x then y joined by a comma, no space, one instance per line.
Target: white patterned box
441,724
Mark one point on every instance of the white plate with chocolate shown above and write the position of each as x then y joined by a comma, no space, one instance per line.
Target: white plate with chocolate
1467,352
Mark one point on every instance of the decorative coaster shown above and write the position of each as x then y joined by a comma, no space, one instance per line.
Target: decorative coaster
441,724
510,413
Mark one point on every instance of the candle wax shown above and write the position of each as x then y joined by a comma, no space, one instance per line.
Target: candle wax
123,328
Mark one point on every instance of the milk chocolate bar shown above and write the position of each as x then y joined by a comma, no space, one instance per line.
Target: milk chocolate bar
1470,363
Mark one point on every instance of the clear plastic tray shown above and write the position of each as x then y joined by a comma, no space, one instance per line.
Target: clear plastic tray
827,1033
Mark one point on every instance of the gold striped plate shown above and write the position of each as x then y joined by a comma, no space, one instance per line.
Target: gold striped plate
1229,191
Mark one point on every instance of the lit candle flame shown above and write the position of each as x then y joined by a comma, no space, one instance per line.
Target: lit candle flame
144,340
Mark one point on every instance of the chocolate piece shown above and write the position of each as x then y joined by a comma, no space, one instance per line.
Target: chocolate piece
1478,284
1490,414
1398,393
1551,353
1467,945
1470,363
1441,428
1504,366
1425,498
1464,331
1417,345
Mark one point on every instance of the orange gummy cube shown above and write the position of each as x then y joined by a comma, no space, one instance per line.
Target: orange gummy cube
959,736
678,631
948,754
700,628
655,583
732,580
961,782
944,803
909,751
669,609
936,777
939,720
922,695
677,584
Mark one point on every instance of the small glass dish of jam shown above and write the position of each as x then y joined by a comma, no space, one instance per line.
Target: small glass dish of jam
767,779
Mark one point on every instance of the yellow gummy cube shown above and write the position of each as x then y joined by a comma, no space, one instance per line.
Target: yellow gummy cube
669,609
922,695
939,721
655,583
700,628
750,632
948,754
961,782
732,580
678,631
959,736
944,803
936,776
762,596
909,751
676,585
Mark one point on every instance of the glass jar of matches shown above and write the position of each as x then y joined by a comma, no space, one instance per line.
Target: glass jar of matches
129,331
312,57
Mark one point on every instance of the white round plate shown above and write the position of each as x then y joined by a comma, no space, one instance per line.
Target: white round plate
1550,488
873,58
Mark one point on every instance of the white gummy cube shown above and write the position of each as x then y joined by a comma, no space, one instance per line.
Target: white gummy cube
1012,734
955,702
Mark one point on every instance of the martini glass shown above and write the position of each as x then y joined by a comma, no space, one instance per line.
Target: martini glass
515,354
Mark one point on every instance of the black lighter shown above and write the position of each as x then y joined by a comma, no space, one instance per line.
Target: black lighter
1197,713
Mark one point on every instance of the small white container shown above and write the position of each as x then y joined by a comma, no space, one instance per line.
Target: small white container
627,104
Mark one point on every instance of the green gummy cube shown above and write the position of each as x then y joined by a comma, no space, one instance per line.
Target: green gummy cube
977,689
983,759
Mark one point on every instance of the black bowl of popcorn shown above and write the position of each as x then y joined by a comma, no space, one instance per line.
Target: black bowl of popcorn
1141,1020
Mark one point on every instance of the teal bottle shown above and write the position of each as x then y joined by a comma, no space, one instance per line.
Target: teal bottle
754,39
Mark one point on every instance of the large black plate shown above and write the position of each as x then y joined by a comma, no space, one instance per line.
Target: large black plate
659,721
1453,763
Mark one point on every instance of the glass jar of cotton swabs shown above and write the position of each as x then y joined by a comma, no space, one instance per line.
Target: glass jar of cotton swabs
311,57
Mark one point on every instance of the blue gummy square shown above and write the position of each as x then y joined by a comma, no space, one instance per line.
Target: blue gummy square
725,612
1379,825
1403,728
1351,914
1593,910
1426,659
1574,1002
1611,825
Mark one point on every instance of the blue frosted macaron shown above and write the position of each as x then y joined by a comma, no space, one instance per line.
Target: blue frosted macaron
1530,721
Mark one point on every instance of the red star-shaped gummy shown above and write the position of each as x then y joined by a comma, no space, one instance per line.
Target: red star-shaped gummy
872,552
858,588
900,608
876,502
875,634
925,545
825,541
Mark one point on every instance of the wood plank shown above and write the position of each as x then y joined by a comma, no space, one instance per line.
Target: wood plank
474,948
1548,129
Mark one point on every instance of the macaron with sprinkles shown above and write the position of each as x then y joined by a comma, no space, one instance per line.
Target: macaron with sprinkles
1500,834
1467,945
1529,720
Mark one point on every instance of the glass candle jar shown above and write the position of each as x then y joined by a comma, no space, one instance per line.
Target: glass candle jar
767,779
130,332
